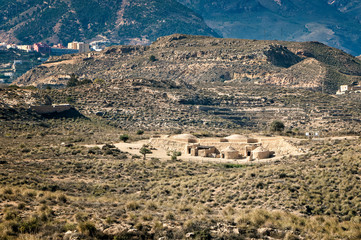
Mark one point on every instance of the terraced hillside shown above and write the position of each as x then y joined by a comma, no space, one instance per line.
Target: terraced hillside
168,106
197,59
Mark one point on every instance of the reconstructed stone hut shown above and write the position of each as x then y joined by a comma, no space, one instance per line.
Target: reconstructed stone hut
229,153
202,151
261,153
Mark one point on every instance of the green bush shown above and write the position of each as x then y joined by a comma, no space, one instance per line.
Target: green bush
31,225
124,137
140,132
277,126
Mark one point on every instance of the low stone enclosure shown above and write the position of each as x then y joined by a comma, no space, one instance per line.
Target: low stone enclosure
231,147
48,109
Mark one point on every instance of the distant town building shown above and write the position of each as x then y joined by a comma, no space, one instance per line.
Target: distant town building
81,46
27,48
59,45
2,46
9,46
8,74
353,88
42,48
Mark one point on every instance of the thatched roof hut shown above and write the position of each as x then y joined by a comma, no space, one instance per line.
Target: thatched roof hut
229,153
261,153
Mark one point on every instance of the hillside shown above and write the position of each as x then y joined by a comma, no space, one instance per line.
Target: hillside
65,179
199,59
196,82
335,23
120,21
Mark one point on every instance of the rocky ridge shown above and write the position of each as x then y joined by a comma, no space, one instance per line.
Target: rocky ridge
198,59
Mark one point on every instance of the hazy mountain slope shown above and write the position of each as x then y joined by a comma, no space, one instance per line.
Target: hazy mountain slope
349,7
335,23
121,21
197,59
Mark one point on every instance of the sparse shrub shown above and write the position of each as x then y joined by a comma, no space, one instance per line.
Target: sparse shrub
8,191
62,198
10,215
124,137
69,99
109,220
81,217
31,225
87,228
132,206
170,216
147,217
98,81
73,81
152,206
140,132
93,150
152,58
282,175
175,154
21,206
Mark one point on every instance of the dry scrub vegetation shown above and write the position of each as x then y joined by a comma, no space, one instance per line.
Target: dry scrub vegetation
50,190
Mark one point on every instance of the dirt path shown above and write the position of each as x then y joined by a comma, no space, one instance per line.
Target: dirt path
58,63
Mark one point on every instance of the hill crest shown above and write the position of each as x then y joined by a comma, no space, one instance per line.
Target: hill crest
200,59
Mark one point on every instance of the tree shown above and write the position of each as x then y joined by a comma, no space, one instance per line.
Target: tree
144,151
175,154
277,126
124,137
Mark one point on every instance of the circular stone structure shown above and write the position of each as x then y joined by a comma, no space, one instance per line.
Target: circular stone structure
229,153
261,153
189,138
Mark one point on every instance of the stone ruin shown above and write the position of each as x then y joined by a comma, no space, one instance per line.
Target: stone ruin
231,147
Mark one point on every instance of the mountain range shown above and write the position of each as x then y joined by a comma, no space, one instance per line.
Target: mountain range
333,22
119,21
336,23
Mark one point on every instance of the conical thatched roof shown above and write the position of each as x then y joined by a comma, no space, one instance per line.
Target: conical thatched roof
229,149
